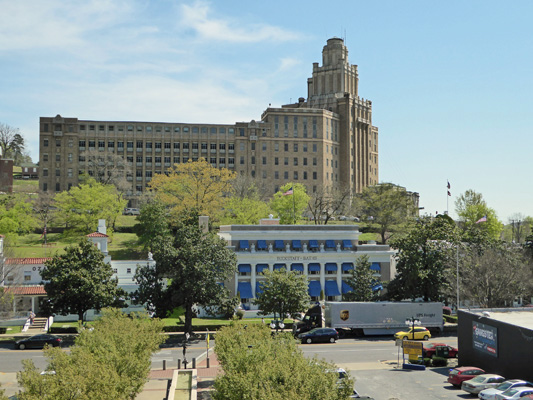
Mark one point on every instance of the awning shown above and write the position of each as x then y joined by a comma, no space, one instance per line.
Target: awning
296,244
313,244
258,288
260,268
220,283
261,245
330,244
279,266
244,268
297,267
279,245
314,267
314,288
375,267
245,289
347,267
346,288
332,289
377,286
243,244
347,244
331,267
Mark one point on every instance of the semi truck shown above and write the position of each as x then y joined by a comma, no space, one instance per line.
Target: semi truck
372,318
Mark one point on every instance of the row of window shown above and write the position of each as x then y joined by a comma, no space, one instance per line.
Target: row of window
142,128
157,145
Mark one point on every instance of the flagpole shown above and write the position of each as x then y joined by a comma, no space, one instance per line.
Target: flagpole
293,207
447,197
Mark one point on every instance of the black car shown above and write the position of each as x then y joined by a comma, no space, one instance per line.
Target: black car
319,335
38,342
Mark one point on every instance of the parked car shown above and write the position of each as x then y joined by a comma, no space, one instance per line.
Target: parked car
132,211
319,335
515,393
460,374
490,394
430,349
38,342
420,333
481,382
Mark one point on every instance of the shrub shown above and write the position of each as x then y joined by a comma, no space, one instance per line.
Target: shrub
3,330
439,362
58,329
239,314
450,318
427,362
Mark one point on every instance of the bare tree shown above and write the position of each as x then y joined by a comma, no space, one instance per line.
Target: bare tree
45,211
246,187
520,228
11,143
327,202
109,168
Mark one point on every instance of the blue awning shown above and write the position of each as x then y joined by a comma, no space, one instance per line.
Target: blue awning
279,266
297,267
347,244
314,267
346,288
245,289
243,244
260,268
377,286
375,267
279,245
258,288
331,267
244,268
261,245
314,288
332,289
347,267
330,244
313,244
296,244
220,283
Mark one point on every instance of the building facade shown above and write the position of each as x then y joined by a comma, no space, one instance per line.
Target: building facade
325,140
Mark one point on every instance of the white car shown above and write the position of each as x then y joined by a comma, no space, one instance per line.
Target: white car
132,211
480,382
514,393
490,394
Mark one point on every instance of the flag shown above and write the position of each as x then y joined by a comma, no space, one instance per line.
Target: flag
288,192
449,186
483,219
449,193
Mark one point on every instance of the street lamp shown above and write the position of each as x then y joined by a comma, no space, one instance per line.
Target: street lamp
412,322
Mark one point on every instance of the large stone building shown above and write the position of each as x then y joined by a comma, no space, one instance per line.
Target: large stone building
325,140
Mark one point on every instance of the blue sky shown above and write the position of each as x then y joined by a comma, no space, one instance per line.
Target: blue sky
451,82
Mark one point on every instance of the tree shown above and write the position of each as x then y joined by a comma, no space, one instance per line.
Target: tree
110,361
45,211
16,215
283,293
386,207
361,281
11,143
246,186
82,206
258,365
153,223
108,168
327,202
425,256
3,394
472,209
289,207
518,228
244,211
195,263
80,280
194,186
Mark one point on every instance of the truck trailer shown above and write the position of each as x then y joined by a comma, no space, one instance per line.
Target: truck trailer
372,318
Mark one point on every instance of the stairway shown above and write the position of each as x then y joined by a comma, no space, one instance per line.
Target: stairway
38,326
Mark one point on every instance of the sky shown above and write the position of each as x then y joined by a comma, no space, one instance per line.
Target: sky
451,82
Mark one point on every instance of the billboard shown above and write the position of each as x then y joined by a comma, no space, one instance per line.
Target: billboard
485,338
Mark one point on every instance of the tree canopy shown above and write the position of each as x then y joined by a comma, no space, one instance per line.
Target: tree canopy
245,211
16,216
282,293
327,202
474,214
12,144
108,168
362,281
79,280
289,207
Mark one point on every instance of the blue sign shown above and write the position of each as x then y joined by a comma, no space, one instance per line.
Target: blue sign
485,338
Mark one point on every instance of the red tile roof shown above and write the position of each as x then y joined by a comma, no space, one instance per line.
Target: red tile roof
26,290
97,234
25,261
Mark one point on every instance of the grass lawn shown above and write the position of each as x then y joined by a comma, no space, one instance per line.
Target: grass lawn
123,246
25,186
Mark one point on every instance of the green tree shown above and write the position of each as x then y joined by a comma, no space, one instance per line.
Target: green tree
3,394
11,143
82,206
424,258
290,207
153,223
16,216
386,207
151,290
45,211
362,281
244,211
283,293
472,209
195,263
258,365
79,280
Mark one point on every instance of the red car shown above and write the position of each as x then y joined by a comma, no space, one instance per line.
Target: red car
460,374
430,349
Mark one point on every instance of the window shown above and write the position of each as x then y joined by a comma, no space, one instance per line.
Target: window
305,175
222,160
27,275
286,175
81,144
177,146
276,161
286,126
276,146
45,142
158,145
69,172
314,148
213,146
167,146
241,131
204,146
276,175
185,146
241,146
149,145
314,128
295,147
110,145
129,145
128,270
286,146
304,122
276,126
295,175
264,160
314,175
45,127
58,187
253,145
305,160
213,160
295,161
45,157
101,144
295,129
264,174
253,160
58,142
241,161
58,172
222,146
45,187
231,147
195,129
177,129
305,147
286,161
264,146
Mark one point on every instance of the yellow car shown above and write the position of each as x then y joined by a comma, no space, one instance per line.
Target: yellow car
421,333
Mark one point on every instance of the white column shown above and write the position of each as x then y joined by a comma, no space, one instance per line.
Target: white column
339,278
33,303
323,277
253,278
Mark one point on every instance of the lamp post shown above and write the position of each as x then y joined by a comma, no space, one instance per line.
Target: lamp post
412,322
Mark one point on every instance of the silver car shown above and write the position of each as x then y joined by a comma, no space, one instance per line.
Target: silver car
490,394
480,382
514,393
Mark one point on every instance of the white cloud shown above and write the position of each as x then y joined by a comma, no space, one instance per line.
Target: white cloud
288,63
196,17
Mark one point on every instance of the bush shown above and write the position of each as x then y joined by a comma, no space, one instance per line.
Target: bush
427,362
58,329
450,318
239,314
439,362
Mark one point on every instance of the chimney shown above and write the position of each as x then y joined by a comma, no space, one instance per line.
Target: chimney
101,226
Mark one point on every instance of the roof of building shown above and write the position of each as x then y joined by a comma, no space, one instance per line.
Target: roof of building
26,290
27,260
97,234
522,317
